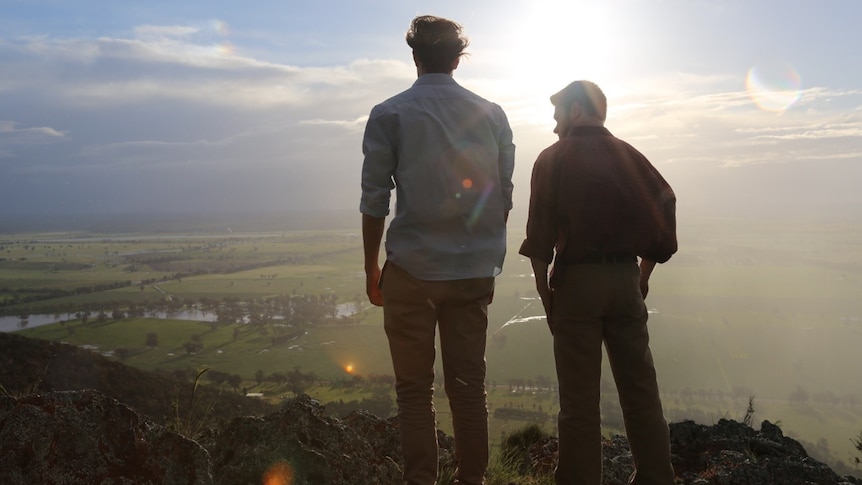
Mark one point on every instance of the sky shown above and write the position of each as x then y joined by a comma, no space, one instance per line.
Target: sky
746,107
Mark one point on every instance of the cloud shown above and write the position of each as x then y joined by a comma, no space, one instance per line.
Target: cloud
162,31
171,114
354,124
13,134
11,127
701,119
171,63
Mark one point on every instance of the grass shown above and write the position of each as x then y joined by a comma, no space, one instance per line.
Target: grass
743,309
192,422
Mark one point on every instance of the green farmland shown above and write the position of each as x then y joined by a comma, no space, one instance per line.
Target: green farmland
772,311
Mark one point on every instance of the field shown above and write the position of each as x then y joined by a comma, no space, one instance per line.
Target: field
745,309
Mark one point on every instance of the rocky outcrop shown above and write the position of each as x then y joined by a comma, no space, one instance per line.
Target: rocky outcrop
727,453
730,452
304,447
84,437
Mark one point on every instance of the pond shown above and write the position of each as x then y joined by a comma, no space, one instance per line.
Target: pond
13,323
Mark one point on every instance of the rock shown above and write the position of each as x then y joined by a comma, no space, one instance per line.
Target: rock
80,437
84,437
731,453
301,446
727,453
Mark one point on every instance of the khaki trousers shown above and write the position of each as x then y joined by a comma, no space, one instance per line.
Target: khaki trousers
595,304
412,311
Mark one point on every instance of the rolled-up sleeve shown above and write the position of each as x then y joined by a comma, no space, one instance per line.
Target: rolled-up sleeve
542,230
379,147
506,159
666,242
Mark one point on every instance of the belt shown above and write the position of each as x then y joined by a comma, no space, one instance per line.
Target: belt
596,258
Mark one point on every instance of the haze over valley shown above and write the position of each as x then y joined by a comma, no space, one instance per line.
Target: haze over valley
205,157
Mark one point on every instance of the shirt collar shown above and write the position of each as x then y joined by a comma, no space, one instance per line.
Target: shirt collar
435,78
588,130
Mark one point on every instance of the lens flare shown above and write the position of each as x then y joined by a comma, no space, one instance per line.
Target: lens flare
221,27
466,183
226,49
773,86
278,474
348,368
480,205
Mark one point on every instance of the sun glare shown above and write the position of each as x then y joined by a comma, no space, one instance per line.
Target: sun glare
556,43
348,368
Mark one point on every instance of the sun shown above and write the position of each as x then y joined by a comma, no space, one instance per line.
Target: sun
555,43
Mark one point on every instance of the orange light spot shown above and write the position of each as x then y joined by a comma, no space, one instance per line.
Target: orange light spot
467,183
349,368
278,474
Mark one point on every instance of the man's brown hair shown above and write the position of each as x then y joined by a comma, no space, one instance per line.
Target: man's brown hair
587,94
436,42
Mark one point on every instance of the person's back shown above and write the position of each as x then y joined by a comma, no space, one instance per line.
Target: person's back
449,155
448,222
596,206
614,200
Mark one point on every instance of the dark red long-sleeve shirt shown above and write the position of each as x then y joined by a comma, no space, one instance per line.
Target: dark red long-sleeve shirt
593,194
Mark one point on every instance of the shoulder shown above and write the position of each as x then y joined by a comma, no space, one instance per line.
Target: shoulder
628,147
387,109
390,104
620,144
487,104
557,149
550,155
474,97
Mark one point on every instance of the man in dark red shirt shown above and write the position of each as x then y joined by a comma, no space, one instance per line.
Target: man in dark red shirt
596,206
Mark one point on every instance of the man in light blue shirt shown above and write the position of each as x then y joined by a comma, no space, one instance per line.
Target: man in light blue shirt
448,154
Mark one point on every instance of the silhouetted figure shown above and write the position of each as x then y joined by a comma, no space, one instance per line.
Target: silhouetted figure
596,206
449,155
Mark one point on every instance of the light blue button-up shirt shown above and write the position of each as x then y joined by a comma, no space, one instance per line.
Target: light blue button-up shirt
448,154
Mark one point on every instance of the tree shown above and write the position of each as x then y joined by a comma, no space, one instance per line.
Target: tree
193,347
152,340
218,377
235,380
857,442
122,353
298,382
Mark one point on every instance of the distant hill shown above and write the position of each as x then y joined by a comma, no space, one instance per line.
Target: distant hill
179,223
34,366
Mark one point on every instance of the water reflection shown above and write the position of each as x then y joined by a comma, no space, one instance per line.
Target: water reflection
14,323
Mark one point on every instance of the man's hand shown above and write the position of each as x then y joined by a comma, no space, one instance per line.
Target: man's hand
372,235
540,272
646,267
372,286
644,284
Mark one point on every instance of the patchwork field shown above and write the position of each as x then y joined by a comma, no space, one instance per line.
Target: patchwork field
745,309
